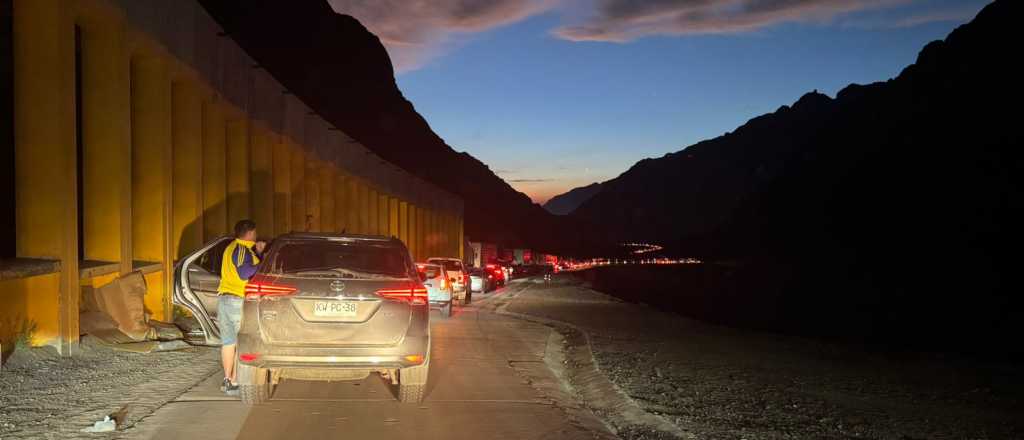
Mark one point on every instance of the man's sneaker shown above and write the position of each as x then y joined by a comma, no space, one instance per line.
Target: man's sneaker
229,388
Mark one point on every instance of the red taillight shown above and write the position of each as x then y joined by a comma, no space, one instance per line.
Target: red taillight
248,357
414,295
259,287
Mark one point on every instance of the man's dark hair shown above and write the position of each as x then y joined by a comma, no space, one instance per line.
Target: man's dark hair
244,226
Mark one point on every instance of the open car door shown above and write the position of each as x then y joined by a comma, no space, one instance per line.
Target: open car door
196,278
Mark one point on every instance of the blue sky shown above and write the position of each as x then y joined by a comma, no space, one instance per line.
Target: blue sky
547,113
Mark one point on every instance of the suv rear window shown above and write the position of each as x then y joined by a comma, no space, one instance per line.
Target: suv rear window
431,271
340,258
449,264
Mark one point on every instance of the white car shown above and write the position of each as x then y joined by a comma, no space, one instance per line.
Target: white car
457,276
439,289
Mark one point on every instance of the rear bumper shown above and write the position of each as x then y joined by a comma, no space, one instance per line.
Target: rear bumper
361,358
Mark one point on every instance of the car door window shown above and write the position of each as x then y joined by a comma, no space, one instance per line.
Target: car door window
204,276
211,260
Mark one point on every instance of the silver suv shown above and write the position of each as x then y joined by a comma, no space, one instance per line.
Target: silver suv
320,307
458,276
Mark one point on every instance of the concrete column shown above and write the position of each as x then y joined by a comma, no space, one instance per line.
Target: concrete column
238,165
328,197
373,222
282,156
298,186
44,147
429,235
448,235
442,232
311,183
187,168
215,212
384,214
151,175
443,241
439,233
106,151
261,178
403,223
439,246
358,213
419,228
414,234
460,234
424,225
342,202
394,219
453,234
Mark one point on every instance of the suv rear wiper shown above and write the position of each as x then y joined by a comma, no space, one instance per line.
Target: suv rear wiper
332,271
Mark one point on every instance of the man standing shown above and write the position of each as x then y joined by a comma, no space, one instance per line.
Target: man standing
237,265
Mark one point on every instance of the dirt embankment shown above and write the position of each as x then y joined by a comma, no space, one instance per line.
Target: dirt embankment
718,382
780,298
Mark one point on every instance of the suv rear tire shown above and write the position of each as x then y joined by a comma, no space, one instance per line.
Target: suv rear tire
412,383
254,384
254,394
446,311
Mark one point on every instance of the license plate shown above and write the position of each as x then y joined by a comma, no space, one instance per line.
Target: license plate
339,309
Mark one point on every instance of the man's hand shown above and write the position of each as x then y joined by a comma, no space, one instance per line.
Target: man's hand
259,246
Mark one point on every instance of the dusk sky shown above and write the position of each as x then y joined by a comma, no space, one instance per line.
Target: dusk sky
555,94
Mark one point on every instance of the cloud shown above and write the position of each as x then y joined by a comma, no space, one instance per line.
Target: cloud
962,14
530,180
415,31
625,20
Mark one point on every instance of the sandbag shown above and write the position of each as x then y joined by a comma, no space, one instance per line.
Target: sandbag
163,331
123,300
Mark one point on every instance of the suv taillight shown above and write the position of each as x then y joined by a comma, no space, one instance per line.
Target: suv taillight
259,287
413,295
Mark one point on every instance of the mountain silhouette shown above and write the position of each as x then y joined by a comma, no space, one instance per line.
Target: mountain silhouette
336,66
893,208
568,201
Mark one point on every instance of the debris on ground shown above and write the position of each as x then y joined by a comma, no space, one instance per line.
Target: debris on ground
163,331
120,416
115,314
110,422
105,425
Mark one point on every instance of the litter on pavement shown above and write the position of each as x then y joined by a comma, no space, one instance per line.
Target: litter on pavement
105,425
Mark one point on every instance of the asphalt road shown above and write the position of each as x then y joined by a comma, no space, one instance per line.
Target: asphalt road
488,379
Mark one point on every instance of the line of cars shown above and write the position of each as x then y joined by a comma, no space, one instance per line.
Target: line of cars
325,306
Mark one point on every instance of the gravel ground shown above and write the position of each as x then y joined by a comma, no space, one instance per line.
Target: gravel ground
715,382
45,396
